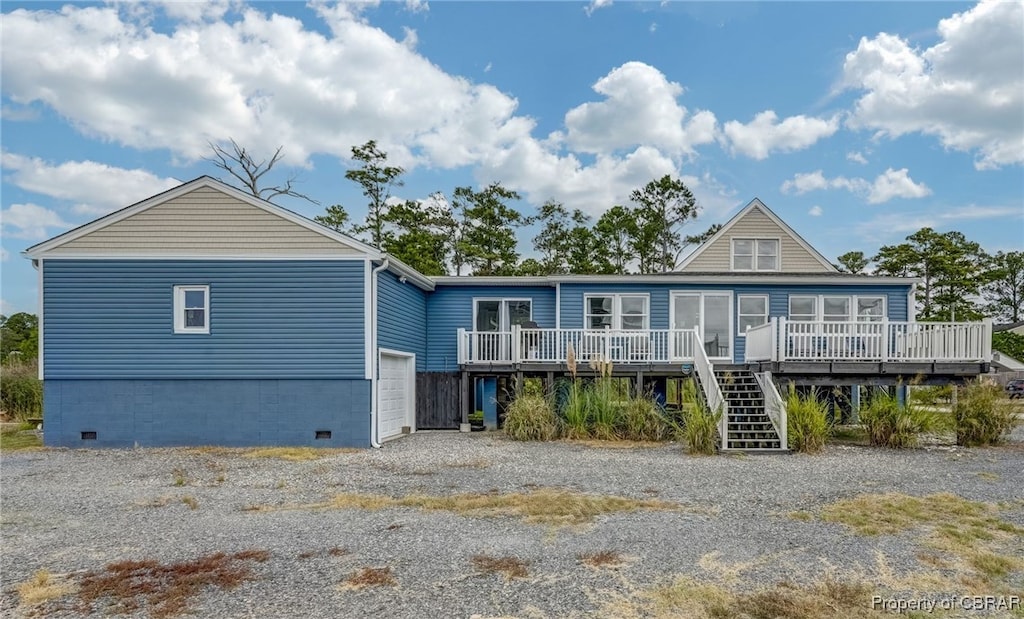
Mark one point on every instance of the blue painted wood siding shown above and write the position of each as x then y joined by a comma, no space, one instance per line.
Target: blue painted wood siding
113,319
450,308
402,317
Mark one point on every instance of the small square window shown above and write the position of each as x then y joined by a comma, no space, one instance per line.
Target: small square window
191,309
753,312
755,255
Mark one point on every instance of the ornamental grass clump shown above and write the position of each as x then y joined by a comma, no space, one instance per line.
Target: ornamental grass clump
807,424
890,423
574,411
983,415
531,417
601,402
641,419
700,423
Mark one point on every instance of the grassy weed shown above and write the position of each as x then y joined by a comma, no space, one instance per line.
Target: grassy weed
807,424
983,415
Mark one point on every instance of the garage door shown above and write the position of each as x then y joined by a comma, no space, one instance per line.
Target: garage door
395,390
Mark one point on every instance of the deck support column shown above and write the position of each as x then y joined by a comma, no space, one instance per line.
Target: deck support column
855,404
467,401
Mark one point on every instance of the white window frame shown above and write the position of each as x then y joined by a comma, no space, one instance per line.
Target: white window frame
616,298
853,316
180,308
754,248
847,317
740,314
503,314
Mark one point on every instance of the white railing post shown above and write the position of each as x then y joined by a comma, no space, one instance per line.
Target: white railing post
986,340
517,339
461,356
783,338
887,340
774,351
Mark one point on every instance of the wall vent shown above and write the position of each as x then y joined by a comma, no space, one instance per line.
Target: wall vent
323,434
89,436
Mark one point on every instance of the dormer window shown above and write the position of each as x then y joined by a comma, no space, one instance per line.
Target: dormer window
755,254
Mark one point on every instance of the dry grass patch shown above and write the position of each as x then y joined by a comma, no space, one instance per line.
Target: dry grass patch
370,577
18,440
42,587
164,590
603,558
685,597
544,506
191,502
475,463
615,443
295,454
510,567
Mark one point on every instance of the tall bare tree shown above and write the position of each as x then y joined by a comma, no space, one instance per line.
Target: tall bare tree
249,170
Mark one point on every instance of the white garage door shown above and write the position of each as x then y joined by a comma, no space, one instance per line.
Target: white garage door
394,400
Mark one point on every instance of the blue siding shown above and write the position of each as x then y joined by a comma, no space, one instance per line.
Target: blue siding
450,308
402,317
113,319
571,300
124,413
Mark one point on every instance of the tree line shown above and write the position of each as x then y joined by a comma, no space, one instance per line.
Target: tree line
475,232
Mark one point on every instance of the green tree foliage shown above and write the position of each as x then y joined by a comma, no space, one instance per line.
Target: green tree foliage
19,334
485,238
1004,290
852,262
377,179
614,232
949,266
567,244
663,207
424,234
335,217
1009,343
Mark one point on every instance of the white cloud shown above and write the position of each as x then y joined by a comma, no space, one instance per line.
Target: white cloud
595,5
967,89
3,255
487,69
653,27
417,6
815,211
6,308
193,11
765,134
896,184
897,224
640,108
886,186
93,188
411,39
30,221
856,157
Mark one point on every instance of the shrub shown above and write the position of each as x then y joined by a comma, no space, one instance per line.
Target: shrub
700,423
642,420
574,412
21,391
983,415
531,417
890,424
807,420
602,409
930,396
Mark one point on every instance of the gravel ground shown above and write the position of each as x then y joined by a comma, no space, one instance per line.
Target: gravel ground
70,511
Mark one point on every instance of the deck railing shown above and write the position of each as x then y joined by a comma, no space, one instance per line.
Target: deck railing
885,341
712,392
548,346
774,406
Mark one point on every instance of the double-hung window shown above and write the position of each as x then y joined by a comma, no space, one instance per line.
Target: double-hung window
753,311
191,309
755,254
628,312
835,309
870,309
803,307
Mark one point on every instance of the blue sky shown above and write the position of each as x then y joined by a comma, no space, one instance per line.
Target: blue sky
858,123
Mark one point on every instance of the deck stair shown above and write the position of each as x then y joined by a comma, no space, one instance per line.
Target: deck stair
748,427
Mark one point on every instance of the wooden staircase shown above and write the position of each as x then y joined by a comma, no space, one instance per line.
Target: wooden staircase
748,426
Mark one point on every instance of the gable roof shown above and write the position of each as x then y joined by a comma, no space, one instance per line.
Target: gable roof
757,204
40,249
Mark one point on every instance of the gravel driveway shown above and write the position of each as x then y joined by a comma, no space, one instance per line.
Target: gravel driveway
73,511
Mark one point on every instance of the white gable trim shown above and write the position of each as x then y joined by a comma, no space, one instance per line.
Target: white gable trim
39,250
756,203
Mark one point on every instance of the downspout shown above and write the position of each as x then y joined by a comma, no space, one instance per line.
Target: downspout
373,347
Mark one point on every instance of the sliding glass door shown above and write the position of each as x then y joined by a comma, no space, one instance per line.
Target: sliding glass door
711,314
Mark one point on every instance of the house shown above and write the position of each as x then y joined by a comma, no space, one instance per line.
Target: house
204,315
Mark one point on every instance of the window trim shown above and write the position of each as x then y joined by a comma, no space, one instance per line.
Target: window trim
616,298
739,311
180,308
853,316
753,256
502,310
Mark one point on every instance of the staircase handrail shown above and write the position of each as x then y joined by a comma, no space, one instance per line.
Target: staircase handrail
712,391
774,405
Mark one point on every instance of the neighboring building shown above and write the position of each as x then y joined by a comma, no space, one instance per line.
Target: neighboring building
204,315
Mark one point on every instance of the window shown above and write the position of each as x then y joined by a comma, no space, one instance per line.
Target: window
803,308
870,309
755,254
616,311
191,309
753,311
501,314
835,309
